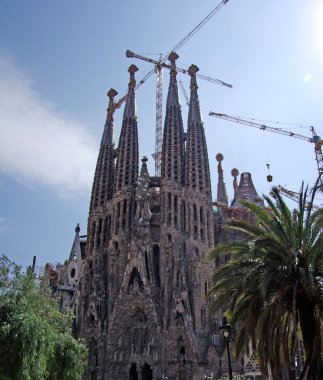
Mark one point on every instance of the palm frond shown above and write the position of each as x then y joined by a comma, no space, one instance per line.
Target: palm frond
275,267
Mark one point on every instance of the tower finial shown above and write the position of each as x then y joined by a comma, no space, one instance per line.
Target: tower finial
132,69
111,94
130,106
172,58
235,173
219,157
77,228
222,191
193,69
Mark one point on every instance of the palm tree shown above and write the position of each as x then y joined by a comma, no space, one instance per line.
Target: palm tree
272,286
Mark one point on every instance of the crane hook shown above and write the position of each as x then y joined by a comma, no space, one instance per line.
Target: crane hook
269,177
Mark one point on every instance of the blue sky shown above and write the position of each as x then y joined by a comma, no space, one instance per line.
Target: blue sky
59,58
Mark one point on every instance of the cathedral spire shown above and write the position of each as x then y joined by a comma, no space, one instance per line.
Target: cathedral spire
194,114
102,189
127,160
130,107
142,192
172,97
235,173
172,165
222,196
108,134
197,172
76,254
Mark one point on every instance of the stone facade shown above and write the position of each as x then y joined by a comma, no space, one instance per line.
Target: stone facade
140,300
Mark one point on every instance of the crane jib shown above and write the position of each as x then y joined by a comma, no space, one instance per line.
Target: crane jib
314,139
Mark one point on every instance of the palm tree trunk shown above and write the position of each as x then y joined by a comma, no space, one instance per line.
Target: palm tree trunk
313,368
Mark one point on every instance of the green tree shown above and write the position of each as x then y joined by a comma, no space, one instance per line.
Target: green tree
35,338
272,286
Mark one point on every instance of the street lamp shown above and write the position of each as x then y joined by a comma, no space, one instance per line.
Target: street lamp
226,331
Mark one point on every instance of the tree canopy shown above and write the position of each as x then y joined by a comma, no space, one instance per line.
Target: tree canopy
272,285
36,339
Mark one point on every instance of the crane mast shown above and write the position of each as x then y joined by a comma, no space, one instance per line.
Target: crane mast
158,68
184,93
159,118
318,154
315,139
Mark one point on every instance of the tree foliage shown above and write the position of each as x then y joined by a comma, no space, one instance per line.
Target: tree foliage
272,286
35,337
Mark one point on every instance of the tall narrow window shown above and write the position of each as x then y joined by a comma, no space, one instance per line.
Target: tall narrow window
132,210
156,263
169,201
183,216
201,215
195,233
98,233
116,227
208,227
147,266
194,212
124,213
107,228
93,234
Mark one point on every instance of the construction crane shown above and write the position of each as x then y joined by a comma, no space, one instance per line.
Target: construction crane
184,93
158,66
315,139
294,196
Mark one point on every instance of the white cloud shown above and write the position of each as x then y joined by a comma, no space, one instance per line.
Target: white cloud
307,78
40,145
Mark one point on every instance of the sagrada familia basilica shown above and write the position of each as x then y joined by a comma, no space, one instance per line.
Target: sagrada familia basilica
138,281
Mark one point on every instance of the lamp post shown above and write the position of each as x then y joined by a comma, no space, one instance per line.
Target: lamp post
226,330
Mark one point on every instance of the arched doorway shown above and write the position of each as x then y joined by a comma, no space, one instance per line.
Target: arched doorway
133,374
147,373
